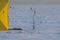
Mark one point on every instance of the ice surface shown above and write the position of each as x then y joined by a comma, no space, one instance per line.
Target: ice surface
47,23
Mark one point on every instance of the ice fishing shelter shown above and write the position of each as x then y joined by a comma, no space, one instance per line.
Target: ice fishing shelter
3,15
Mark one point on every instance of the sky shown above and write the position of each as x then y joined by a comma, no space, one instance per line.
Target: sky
34,2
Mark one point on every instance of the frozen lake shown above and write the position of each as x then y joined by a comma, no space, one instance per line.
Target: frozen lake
47,23
28,35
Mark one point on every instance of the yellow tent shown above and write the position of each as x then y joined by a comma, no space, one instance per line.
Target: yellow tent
3,15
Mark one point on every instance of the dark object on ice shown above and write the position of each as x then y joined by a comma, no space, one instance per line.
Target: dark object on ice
15,29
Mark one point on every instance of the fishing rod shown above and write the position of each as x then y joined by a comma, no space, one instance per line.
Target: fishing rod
33,17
